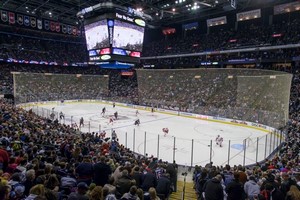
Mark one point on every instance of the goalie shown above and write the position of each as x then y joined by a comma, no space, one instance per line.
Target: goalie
165,131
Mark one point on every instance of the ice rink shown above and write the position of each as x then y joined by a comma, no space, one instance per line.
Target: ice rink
188,140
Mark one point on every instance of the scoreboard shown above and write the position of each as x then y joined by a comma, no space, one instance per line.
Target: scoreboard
114,37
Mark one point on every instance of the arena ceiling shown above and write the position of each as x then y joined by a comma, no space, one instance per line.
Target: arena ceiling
164,12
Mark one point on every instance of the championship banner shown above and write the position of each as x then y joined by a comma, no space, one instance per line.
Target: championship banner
74,30
287,7
57,27
33,22
52,26
64,28
4,17
69,29
20,19
252,14
11,18
26,20
46,24
40,24
216,21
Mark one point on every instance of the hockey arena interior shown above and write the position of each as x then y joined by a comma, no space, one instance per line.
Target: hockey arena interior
149,100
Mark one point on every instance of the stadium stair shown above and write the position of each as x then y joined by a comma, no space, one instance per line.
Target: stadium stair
190,193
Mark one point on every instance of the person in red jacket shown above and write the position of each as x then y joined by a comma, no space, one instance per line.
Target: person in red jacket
4,159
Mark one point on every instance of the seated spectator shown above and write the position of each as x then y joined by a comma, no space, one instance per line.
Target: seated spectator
293,193
213,189
96,193
82,189
163,187
107,195
151,194
131,195
124,184
251,188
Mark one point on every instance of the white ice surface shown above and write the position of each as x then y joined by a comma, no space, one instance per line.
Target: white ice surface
181,132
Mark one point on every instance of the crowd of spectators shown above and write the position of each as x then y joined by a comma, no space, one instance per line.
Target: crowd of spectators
42,159
248,35
243,94
212,93
46,87
19,44
120,88
278,178
245,57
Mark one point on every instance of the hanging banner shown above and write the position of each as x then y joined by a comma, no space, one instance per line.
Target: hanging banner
216,21
69,29
4,16
74,30
11,18
64,28
40,24
26,20
57,27
287,7
20,19
52,26
33,22
252,14
46,24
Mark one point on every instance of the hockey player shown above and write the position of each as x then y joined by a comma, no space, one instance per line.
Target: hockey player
102,135
114,105
220,142
152,109
52,116
114,135
137,122
137,112
116,115
61,115
81,122
111,121
103,111
217,139
165,131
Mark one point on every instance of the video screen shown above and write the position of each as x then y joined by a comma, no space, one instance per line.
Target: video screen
128,36
96,35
